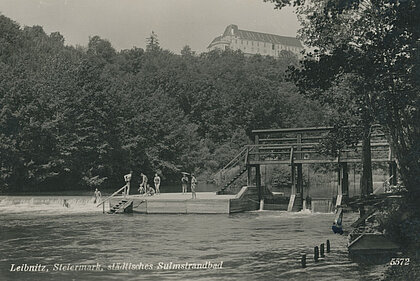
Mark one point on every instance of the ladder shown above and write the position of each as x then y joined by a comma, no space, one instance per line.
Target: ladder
239,161
124,206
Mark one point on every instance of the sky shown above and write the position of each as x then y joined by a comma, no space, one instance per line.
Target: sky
127,23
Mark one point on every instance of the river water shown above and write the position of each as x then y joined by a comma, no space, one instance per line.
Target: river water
261,245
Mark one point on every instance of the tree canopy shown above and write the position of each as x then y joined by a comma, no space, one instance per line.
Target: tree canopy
81,117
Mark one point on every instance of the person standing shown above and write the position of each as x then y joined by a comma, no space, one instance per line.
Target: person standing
193,186
143,184
127,179
184,182
97,195
157,183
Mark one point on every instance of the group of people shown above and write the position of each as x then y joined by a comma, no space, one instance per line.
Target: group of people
144,187
147,189
184,184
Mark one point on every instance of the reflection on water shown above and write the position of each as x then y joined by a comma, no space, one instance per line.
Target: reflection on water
253,246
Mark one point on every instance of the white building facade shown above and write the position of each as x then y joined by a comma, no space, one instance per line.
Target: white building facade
251,42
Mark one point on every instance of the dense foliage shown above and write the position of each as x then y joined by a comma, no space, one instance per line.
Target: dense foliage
80,117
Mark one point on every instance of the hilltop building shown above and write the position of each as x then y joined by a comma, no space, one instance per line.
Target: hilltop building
251,42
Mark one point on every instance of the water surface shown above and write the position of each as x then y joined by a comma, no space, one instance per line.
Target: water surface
262,245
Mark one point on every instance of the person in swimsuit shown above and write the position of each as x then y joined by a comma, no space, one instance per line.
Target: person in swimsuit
184,182
143,184
193,186
97,195
127,179
157,183
150,190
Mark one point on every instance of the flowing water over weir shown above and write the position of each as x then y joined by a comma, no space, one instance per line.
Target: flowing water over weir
48,204
260,245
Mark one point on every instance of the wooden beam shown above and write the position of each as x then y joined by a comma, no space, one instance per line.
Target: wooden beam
291,130
311,161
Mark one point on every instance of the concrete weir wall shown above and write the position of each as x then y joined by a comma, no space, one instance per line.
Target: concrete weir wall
321,205
205,203
245,200
197,206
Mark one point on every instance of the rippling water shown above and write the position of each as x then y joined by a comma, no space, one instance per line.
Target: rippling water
253,246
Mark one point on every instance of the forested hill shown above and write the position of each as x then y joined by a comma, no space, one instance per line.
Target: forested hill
80,117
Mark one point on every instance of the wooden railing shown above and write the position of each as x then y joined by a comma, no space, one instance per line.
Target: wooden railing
122,189
220,175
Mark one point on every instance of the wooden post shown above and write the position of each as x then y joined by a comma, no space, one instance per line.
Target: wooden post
322,250
394,169
393,173
292,178
299,182
362,211
366,182
258,181
344,181
303,260
299,186
328,246
249,178
257,148
103,208
316,254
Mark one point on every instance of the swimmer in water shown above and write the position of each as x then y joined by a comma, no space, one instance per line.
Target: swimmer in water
65,203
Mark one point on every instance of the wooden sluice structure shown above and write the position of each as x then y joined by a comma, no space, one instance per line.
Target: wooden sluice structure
296,147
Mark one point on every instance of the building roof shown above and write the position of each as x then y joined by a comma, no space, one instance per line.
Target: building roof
217,39
270,38
232,30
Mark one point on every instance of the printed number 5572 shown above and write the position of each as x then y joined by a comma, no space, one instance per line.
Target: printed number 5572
400,261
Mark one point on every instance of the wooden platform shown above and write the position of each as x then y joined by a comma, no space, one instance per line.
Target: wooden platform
205,203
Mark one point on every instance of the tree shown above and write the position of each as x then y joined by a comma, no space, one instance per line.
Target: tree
187,52
377,43
152,43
